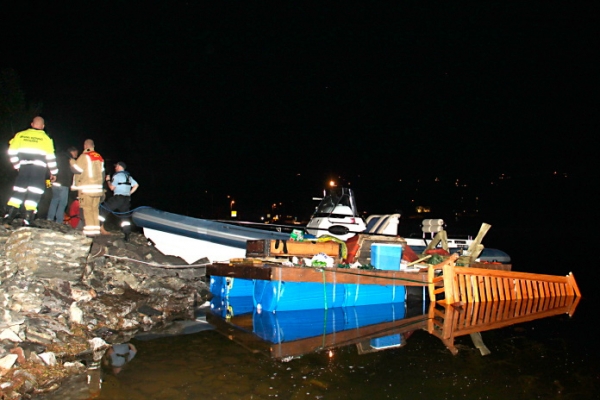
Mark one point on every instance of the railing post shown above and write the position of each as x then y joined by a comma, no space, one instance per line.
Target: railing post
449,283
431,284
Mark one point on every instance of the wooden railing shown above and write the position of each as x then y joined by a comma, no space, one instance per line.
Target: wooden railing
474,285
450,321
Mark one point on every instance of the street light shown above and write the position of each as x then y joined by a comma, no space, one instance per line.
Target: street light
232,212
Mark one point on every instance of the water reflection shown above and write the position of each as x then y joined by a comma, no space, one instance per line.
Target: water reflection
118,355
392,354
286,335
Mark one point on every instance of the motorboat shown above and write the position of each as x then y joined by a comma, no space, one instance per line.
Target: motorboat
336,215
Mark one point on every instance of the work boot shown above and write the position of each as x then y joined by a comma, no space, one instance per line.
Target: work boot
103,231
29,217
127,237
10,216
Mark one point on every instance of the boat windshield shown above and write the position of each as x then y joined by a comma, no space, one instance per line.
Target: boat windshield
337,204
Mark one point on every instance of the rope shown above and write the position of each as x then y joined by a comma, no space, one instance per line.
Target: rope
324,288
345,271
125,212
324,336
156,264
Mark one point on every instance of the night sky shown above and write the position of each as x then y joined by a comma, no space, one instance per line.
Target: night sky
267,101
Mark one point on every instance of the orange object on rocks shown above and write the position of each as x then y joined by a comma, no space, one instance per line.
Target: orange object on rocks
73,216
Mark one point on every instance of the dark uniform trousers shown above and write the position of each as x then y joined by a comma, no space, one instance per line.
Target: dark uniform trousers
118,203
29,187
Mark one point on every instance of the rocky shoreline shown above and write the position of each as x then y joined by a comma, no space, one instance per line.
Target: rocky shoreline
65,299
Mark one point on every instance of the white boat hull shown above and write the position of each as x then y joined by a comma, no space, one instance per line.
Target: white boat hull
194,238
190,249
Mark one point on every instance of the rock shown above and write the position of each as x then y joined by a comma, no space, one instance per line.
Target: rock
10,335
20,354
31,347
98,344
34,358
8,361
10,318
48,254
146,309
48,358
75,367
43,329
27,380
75,314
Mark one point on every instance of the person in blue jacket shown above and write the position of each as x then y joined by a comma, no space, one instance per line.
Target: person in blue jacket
123,186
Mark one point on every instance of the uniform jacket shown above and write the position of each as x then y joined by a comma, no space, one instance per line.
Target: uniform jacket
32,146
65,174
89,168
123,182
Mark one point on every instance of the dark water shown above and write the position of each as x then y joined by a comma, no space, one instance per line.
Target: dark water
551,358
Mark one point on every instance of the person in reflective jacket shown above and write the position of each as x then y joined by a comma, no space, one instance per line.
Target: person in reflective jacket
89,175
123,186
32,154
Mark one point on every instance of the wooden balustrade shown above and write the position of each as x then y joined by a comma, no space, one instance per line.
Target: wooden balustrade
450,321
473,285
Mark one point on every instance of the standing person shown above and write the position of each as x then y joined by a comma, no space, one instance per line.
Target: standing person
123,186
89,168
32,153
62,185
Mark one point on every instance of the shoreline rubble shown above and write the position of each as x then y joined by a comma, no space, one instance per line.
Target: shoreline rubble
65,299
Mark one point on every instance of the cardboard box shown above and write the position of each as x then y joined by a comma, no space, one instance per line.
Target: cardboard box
279,248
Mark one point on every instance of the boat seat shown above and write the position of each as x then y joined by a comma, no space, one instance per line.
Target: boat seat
383,224
432,226
372,222
389,225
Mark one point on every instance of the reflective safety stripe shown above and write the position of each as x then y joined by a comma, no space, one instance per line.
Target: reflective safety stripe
39,163
93,188
125,223
19,189
34,189
90,169
27,150
30,205
91,230
77,168
101,218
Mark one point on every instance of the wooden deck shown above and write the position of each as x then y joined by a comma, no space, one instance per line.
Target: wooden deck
278,272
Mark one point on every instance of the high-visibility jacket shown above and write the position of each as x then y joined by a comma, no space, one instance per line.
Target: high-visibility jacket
89,170
32,146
